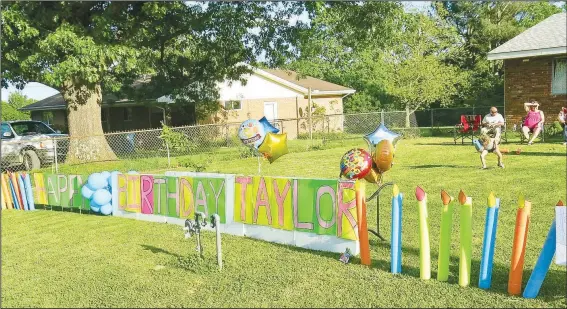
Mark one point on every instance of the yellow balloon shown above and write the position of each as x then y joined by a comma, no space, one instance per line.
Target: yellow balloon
274,146
374,175
384,156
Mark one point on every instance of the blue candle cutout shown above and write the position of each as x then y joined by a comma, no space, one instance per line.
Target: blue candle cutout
29,192
13,191
542,265
396,237
23,190
490,226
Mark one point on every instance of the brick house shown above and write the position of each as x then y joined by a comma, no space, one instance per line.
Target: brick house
535,67
274,93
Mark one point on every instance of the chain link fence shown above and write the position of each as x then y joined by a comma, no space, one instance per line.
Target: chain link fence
32,153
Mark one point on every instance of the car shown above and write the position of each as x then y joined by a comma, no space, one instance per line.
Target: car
30,144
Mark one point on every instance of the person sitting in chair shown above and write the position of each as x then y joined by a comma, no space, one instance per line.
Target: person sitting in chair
492,123
562,117
533,121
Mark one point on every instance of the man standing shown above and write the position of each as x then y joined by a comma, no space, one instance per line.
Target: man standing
492,123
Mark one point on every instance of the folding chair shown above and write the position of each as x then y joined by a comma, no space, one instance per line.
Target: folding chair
503,136
462,130
541,135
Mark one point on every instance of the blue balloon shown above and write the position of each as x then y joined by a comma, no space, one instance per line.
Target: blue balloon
268,127
106,209
477,144
87,192
97,181
101,197
252,133
105,174
380,134
94,207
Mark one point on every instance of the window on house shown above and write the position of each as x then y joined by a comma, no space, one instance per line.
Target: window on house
559,78
232,105
128,114
47,117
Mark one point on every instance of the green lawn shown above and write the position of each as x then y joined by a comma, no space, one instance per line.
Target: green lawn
57,259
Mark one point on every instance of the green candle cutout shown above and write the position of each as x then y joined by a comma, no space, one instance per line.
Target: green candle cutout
445,234
466,240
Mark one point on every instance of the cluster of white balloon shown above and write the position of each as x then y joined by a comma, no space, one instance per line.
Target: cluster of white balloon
98,190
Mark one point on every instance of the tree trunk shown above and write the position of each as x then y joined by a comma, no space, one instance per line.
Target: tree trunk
87,142
407,116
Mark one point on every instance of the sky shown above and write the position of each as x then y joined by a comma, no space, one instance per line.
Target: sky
39,91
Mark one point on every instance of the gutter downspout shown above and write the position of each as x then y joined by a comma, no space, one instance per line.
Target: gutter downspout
163,113
296,115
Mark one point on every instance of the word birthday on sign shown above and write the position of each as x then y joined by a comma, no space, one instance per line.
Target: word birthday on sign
324,207
177,197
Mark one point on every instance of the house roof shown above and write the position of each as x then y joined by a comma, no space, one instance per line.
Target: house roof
307,81
285,77
56,102
549,37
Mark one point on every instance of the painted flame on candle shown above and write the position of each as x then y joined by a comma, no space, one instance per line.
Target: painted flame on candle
395,190
419,193
521,201
462,197
491,200
560,203
445,197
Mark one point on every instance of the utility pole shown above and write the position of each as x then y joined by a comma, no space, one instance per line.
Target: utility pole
309,110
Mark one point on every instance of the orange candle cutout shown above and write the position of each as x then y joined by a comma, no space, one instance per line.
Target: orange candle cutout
17,190
6,192
519,246
362,225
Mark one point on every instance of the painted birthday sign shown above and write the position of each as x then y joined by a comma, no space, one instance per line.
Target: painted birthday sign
323,207
311,213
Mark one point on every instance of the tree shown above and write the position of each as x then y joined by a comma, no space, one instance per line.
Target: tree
343,43
170,48
481,27
10,109
417,75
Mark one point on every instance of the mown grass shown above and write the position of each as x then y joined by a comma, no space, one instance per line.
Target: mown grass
57,259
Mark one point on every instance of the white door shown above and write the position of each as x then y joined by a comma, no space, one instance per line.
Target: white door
271,110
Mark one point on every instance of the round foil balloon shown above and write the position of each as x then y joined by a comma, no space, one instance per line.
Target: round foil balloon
252,133
356,164
384,156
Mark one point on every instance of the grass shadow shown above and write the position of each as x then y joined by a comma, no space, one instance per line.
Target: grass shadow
446,144
437,166
543,154
193,263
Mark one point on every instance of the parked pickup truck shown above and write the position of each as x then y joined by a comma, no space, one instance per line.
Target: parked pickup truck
30,144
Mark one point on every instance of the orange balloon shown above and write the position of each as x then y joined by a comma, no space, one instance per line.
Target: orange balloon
384,156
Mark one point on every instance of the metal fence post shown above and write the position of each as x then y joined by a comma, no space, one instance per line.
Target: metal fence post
227,137
431,112
55,155
168,157
382,117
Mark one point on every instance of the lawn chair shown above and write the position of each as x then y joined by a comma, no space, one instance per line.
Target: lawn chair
541,135
503,136
469,124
